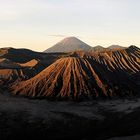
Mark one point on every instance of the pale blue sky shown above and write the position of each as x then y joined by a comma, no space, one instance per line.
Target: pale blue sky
39,24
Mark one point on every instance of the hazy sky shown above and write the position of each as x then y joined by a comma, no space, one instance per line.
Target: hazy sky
39,24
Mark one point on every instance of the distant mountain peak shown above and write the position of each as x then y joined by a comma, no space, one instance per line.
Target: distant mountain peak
69,44
98,48
71,40
133,47
116,47
71,37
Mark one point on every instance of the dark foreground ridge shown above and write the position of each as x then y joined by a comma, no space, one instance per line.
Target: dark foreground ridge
21,118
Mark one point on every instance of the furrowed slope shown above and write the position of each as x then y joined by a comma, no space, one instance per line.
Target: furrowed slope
127,60
67,77
111,73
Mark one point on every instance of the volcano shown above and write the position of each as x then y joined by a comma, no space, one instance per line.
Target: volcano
69,44
66,77
86,74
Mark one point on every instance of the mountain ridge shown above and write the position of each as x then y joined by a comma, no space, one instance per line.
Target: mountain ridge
86,74
69,44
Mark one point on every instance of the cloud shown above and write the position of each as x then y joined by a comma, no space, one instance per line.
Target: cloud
57,35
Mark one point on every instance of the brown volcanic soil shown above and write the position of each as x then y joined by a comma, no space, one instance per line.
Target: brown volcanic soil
87,75
66,77
25,56
126,60
11,76
22,64
6,63
11,72
31,63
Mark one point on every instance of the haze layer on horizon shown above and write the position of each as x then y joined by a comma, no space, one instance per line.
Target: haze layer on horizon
39,24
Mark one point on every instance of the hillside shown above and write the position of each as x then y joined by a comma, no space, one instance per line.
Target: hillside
69,44
87,74
116,47
98,48
21,64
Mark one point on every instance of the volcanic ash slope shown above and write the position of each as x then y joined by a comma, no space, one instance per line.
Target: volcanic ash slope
89,75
